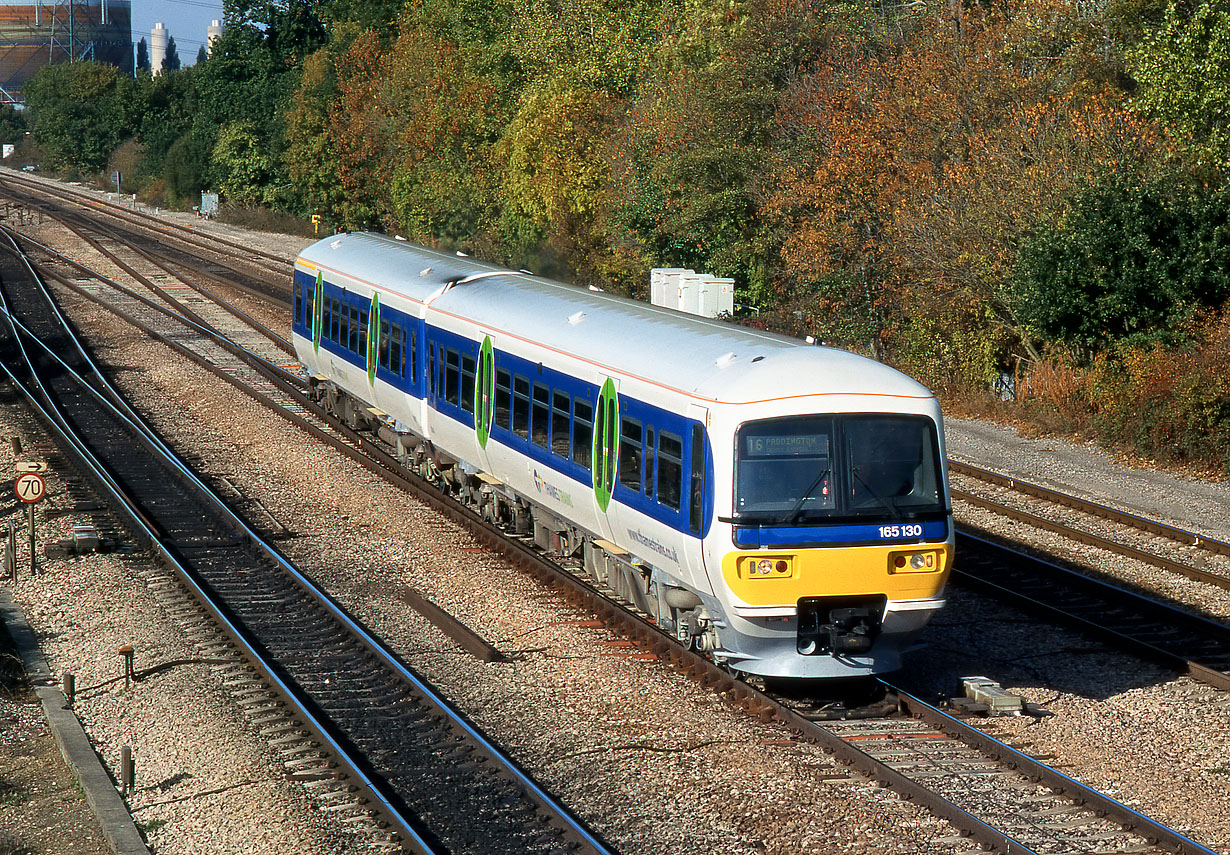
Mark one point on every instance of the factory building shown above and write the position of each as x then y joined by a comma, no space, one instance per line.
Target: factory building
36,34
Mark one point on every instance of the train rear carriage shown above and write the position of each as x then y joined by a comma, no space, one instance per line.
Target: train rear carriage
779,506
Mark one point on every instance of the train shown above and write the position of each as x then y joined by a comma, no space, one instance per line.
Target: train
774,504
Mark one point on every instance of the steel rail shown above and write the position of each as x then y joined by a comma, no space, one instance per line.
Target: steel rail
1154,832
226,306
1090,539
1104,592
1093,508
196,259
134,217
254,360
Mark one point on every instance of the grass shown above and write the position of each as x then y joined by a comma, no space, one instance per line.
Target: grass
12,795
149,827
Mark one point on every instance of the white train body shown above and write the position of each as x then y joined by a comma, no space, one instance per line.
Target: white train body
780,506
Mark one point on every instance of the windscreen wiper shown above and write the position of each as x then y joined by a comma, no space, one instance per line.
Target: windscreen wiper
886,502
793,517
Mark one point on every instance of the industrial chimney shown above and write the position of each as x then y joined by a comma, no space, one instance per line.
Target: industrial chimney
157,47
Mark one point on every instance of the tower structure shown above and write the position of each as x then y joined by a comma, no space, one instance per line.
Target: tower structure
35,34
158,38
212,33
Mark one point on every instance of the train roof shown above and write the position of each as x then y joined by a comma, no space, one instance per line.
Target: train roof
710,359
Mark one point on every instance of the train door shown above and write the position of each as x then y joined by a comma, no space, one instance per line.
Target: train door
484,400
605,456
700,491
431,387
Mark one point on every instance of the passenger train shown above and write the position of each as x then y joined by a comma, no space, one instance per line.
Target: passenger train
778,506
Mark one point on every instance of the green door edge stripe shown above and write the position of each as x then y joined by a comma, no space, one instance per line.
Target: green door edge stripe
484,392
373,339
605,447
318,310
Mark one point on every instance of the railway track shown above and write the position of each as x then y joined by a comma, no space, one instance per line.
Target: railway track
183,251
1137,619
1175,550
422,769
1017,814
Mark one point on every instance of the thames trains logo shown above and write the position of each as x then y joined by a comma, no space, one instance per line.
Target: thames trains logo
551,490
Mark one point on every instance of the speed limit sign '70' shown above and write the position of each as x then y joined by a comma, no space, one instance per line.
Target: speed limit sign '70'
30,487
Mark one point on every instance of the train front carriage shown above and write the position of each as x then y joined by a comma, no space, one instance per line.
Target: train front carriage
833,536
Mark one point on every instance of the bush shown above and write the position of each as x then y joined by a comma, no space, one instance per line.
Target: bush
1171,405
1129,262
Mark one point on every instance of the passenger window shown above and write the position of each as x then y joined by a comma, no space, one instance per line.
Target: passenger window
582,431
382,352
354,330
298,303
400,364
503,399
649,462
630,454
452,379
559,425
431,369
542,415
467,383
696,489
670,470
395,349
521,407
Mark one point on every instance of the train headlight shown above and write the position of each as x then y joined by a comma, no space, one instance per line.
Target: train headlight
926,561
776,567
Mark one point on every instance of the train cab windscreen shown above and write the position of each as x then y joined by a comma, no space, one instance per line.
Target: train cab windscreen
809,469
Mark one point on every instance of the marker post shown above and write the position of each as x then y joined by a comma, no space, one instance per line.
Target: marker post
30,488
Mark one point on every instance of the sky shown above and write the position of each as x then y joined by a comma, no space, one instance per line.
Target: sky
185,20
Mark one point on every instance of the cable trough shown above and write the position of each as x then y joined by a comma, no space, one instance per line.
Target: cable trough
426,772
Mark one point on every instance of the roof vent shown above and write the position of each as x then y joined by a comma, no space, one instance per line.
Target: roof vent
757,358
424,271
725,360
576,318
336,244
594,288
398,237
461,254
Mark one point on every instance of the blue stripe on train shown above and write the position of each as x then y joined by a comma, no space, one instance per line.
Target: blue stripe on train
760,537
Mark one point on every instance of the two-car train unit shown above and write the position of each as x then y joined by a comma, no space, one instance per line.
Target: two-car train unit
779,506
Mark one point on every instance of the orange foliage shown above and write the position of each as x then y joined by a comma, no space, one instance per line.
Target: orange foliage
917,171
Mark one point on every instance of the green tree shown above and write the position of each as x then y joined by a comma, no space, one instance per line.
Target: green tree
1130,261
12,125
142,55
171,62
79,113
242,165
1183,69
693,168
